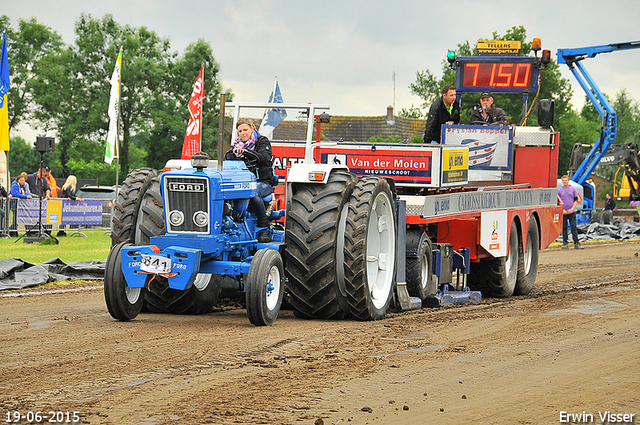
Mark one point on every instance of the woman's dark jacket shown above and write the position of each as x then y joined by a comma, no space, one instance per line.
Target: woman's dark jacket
259,161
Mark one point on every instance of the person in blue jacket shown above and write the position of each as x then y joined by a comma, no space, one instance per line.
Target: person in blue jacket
20,187
19,190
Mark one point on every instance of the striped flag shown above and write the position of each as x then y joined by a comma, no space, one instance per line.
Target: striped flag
273,116
5,84
114,112
193,136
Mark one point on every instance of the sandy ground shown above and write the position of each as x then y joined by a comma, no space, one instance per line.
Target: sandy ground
572,346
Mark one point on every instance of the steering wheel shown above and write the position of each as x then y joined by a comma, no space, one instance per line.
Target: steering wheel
250,158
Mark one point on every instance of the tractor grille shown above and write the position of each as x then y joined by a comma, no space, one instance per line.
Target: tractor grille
185,199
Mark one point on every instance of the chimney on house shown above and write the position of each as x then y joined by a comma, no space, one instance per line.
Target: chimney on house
391,120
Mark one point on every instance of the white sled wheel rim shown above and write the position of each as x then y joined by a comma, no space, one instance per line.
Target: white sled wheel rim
528,257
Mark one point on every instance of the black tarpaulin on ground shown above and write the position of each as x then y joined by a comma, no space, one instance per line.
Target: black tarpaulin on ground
18,274
620,230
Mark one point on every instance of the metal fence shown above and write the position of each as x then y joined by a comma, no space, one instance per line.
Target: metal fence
10,228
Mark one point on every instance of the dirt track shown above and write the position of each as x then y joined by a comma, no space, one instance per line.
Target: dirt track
572,346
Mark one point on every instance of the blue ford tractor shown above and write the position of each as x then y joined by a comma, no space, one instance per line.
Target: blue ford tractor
209,233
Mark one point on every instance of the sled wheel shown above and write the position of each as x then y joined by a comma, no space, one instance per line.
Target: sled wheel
370,241
528,259
123,303
419,264
497,277
265,287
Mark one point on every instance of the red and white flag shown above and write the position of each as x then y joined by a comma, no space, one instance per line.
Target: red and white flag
193,137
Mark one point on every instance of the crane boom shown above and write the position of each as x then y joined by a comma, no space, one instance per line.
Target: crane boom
573,59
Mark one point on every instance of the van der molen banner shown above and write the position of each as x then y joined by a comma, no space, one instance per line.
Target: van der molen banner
59,211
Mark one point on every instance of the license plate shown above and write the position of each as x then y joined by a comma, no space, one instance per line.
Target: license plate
155,264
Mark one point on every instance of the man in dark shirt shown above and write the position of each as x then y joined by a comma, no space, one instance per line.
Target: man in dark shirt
488,114
445,110
610,203
35,180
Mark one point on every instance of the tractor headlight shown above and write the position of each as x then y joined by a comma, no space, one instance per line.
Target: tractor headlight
201,218
176,218
199,162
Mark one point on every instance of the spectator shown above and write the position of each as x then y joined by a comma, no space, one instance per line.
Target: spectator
38,180
53,184
445,110
610,203
19,189
69,193
69,189
568,196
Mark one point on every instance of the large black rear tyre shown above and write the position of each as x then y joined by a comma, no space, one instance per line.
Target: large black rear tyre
314,236
497,277
128,206
419,264
370,249
123,303
528,259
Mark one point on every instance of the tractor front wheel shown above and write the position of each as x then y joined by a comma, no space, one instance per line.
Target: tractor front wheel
123,303
265,287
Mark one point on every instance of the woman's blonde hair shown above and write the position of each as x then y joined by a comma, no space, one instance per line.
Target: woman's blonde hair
70,182
23,175
247,122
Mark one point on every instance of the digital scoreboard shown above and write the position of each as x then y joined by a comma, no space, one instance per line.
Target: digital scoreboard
506,74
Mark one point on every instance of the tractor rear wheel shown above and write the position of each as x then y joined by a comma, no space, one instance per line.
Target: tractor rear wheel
265,287
123,303
419,265
497,277
314,236
370,249
528,260
127,208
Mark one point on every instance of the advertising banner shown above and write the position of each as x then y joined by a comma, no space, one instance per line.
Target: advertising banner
59,211
408,164
490,149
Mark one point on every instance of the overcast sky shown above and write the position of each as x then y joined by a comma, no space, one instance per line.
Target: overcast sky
344,53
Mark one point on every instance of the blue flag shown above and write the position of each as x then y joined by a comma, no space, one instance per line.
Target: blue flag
5,81
273,116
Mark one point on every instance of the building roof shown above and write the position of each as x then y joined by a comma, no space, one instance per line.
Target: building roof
352,129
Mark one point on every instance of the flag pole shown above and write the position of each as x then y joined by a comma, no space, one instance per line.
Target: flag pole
118,127
201,107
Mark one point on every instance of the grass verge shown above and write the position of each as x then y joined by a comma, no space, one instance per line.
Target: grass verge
95,247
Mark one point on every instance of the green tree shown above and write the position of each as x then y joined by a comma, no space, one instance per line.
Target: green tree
73,88
171,115
26,47
628,115
24,158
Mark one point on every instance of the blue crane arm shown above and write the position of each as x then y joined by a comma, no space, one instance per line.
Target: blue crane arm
572,58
